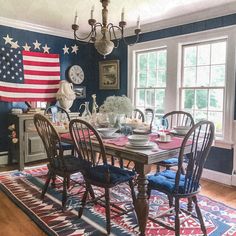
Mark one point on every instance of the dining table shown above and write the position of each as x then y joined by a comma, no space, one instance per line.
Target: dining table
143,159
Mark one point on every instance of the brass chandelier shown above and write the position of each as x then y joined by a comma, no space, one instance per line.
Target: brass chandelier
109,32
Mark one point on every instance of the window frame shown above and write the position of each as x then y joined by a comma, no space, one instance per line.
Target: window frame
174,47
136,88
208,88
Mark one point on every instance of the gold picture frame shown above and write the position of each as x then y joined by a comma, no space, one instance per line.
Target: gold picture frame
109,74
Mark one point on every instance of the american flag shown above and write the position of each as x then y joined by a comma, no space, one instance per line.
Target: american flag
28,76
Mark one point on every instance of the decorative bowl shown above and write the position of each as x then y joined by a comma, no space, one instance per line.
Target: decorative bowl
182,129
107,132
138,140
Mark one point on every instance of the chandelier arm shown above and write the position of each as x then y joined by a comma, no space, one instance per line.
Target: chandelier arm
77,37
131,44
117,40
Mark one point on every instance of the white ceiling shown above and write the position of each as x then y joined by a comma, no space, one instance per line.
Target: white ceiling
59,14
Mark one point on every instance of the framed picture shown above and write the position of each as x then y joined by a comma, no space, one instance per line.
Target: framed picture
109,76
80,91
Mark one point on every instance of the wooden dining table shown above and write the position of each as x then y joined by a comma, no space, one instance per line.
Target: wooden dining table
143,159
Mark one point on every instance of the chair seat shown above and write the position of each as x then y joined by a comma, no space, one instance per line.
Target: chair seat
117,175
166,180
170,161
67,146
71,164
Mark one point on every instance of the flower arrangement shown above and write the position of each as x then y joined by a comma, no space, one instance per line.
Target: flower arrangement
117,105
12,135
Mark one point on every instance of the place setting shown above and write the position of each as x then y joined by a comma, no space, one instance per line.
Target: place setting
139,142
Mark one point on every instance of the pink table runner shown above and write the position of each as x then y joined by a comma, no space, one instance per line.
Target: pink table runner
175,142
121,141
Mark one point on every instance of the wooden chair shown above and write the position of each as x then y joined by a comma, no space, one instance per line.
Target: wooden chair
137,114
59,164
172,119
96,173
198,142
53,111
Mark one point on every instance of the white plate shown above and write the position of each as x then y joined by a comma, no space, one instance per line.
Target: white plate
115,135
149,145
163,141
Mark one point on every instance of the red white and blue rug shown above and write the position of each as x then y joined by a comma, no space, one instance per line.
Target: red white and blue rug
24,189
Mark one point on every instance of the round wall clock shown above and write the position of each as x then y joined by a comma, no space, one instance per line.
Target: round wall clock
76,74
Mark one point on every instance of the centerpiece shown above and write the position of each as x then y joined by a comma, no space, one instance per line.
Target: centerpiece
117,107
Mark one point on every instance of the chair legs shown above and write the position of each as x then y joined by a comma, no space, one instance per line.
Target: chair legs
177,221
83,201
108,216
45,187
64,193
199,214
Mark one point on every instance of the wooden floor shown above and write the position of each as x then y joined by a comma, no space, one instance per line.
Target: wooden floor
13,222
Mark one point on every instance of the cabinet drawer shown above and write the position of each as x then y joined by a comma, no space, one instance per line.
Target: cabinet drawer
34,149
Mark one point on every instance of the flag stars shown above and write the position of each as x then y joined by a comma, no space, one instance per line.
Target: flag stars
66,49
36,45
16,64
46,48
75,48
14,45
8,39
26,47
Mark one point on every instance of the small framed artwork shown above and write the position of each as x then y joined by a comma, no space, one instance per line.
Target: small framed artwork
80,91
109,74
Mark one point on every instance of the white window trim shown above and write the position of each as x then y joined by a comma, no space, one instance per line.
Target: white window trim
174,45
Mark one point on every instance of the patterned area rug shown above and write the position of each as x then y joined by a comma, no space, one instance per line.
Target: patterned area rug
24,188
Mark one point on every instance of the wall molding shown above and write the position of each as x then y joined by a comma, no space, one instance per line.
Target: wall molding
217,176
197,16
35,28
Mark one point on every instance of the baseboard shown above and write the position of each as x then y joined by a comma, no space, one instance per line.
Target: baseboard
217,177
233,180
3,158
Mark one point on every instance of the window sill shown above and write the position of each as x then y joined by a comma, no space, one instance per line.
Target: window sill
223,144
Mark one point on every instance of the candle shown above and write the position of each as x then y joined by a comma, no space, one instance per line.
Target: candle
138,22
75,20
122,14
92,10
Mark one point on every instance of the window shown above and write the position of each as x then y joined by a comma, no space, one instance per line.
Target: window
202,91
199,77
150,83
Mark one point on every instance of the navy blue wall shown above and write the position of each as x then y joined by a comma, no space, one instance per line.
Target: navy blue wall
219,160
85,57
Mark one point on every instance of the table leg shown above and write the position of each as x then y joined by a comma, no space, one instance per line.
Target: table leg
141,203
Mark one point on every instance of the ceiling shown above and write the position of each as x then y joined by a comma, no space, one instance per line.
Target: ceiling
59,14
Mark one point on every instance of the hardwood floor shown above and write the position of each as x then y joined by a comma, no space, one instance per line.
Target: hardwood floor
14,222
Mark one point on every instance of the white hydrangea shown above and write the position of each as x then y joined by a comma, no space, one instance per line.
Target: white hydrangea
118,105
